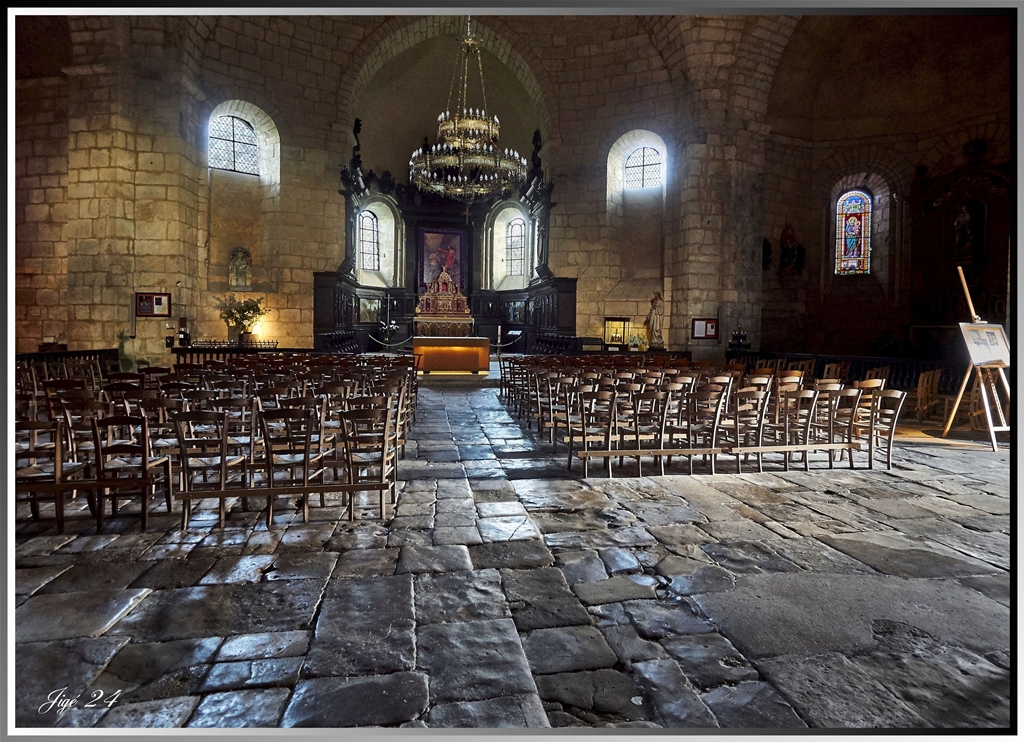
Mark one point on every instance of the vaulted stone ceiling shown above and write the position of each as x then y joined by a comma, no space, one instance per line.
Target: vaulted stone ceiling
845,76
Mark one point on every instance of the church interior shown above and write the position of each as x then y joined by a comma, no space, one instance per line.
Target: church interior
709,187
761,124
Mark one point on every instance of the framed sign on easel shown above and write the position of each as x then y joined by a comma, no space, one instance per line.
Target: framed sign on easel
990,354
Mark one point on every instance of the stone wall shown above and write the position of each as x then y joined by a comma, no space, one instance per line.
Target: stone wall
40,195
114,195
811,310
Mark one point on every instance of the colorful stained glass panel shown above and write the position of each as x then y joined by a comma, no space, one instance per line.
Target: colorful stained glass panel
853,233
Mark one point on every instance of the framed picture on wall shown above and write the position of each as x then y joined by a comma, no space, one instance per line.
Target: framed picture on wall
705,329
369,310
442,249
152,305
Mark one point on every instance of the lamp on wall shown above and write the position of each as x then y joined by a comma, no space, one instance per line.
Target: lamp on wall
467,163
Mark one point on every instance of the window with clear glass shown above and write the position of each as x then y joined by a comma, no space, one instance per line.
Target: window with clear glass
643,168
369,241
515,248
853,234
233,145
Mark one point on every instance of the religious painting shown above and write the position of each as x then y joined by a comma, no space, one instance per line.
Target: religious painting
152,305
516,312
369,310
442,249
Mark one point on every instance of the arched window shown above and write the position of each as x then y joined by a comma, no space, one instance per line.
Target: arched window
233,145
369,241
853,233
643,168
515,247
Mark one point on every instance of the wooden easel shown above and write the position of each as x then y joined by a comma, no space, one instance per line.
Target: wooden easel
986,372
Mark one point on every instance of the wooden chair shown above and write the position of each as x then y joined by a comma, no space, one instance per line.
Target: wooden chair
370,454
644,425
791,434
54,389
927,398
293,452
42,469
124,460
592,423
804,366
832,427
206,468
880,429
839,371
879,372
699,430
744,427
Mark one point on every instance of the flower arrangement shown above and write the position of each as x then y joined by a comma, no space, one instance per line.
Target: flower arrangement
241,314
638,341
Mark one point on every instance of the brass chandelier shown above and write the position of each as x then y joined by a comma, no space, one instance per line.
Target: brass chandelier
467,163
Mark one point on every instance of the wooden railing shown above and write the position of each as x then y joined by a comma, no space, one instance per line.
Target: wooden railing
108,358
200,355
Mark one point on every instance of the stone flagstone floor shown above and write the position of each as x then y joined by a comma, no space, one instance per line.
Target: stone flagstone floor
509,592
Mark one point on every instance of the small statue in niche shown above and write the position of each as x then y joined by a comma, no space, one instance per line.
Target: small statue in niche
655,320
240,269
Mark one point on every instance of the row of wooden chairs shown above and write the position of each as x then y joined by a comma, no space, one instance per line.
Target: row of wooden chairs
659,425
221,443
724,411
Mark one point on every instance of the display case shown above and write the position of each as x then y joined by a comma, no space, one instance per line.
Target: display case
616,333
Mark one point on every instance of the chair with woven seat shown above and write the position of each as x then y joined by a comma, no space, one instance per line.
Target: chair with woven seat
795,413
880,429
42,469
206,468
243,429
293,453
592,427
160,411
744,426
124,460
697,431
53,390
644,425
837,427
370,452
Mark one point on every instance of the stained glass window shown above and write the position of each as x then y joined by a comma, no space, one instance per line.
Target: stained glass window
515,248
853,233
369,241
233,145
643,168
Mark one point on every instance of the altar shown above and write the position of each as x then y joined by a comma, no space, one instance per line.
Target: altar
452,353
442,310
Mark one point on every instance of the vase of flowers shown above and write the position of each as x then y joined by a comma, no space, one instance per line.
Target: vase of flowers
241,314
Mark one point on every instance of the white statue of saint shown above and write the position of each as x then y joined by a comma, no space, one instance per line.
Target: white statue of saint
655,320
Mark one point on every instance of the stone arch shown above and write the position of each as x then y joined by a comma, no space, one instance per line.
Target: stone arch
866,167
401,33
